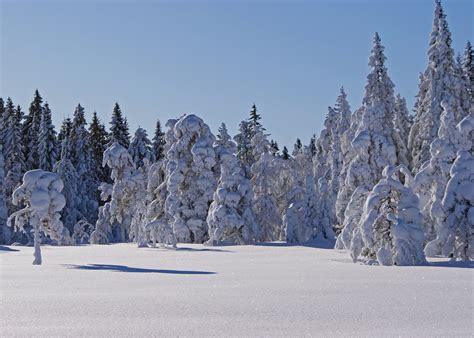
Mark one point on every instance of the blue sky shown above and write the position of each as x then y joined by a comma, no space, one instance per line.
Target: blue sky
160,59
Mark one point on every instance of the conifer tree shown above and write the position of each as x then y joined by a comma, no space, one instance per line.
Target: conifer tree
98,142
31,128
438,84
141,149
284,153
373,142
158,142
4,230
119,128
47,140
64,132
297,148
468,69
254,120
244,146
401,129
2,121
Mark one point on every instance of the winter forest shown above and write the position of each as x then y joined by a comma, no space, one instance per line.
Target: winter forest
390,184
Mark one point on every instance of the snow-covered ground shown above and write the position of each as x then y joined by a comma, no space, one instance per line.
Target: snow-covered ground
265,290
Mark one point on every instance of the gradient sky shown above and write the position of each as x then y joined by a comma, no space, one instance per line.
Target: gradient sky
160,59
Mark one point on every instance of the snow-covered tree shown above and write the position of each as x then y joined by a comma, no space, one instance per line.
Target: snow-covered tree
158,142
119,128
41,194
454,216
64,168
65,131
434,175
141,149
244,146
115,217
47,145
98,142
13,150
31,128
4,230
438,84
230,218
468,68
297,148
373,143
285,155
191,179
81,158
254,120
390,228
401,129
263,172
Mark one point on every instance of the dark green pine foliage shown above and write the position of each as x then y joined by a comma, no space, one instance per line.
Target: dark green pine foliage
254,120
119,128
298,147
274,148
284,154
98,142
158,142
64,133
31,128
47,141
312,145
468,69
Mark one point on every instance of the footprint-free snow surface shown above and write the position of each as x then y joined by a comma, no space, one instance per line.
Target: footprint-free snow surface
265,290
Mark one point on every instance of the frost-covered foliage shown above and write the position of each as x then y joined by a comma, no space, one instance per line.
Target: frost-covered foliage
264,172
4,230
373,143
244,146
158,227
81,158
71,213
230,218
41,195
454,216
119,128
115,217
401,128
47,146
191,179
439,83
158,142
141,149
82,232
390,229
433,176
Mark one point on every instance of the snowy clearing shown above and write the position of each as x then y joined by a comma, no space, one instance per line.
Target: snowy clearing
266,290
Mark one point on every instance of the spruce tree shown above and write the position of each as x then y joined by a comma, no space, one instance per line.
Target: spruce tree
2,121
468,68
297,148
254,120
284,154
98,142
141,149
31,128
401,129
47,145
119,128
4,230
158,142
65,131
244,146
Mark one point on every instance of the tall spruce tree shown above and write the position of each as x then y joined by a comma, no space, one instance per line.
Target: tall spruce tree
285,154
47,142
141,149
468,68
119,128
158,142
4,230
254,120
31,128
64,132
98,141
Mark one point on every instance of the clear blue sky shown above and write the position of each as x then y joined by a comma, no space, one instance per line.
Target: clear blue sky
160,59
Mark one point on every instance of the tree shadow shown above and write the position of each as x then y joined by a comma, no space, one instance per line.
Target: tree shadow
317,244
7,249
202,250
452,264
123,268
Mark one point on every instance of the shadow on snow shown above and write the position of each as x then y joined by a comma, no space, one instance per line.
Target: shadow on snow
452,264
7,249
317,244
123,268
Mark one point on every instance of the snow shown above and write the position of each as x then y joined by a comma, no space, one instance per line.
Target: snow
273,290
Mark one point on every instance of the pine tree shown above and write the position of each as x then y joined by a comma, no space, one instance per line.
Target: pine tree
401,129
158,142
438,84
244,146
373,142
65,131
230,218
4,230
284,153
14,160
119,128
468,68
297,148
141,149
312,145
47,141
31,128
98,141
254,120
